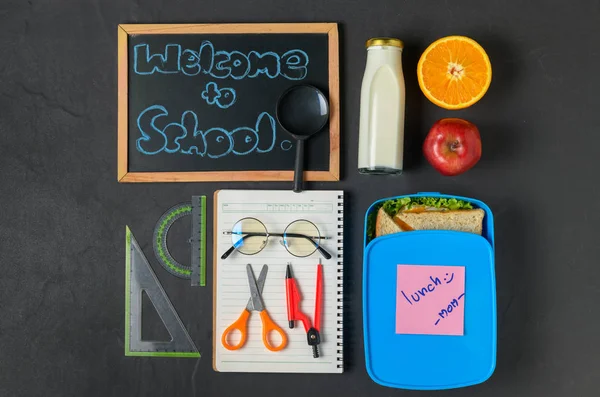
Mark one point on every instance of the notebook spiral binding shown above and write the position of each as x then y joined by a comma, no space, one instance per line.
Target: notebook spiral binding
340,283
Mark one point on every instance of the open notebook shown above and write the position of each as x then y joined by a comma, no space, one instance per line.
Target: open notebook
276,209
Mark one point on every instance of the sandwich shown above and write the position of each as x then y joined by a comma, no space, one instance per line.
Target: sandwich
424,213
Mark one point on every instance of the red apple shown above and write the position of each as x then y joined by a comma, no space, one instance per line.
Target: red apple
452,146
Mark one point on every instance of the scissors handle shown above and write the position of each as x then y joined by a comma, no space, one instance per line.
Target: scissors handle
267,326
241,324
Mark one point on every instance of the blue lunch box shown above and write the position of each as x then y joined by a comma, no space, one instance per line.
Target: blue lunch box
430,362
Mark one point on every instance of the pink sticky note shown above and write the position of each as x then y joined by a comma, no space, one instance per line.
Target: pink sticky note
430,300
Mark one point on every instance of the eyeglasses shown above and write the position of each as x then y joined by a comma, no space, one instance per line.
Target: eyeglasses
300,238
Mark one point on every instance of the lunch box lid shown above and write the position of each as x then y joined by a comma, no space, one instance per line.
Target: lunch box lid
429,362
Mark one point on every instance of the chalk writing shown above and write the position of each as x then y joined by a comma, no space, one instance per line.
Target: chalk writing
185,137
172,59
451,306
222,97
286,145
421,293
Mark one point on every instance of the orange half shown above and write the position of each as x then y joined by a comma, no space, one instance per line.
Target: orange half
454,72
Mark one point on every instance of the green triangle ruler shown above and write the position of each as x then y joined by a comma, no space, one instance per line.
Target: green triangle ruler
139,277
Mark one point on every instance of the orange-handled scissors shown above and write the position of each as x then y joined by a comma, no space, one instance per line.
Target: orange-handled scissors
255,303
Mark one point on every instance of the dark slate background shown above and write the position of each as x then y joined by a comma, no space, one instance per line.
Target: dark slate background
63,215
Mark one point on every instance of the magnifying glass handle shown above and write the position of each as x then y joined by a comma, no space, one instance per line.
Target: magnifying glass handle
299,166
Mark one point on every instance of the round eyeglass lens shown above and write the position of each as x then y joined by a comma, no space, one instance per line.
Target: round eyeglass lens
249,236
301,238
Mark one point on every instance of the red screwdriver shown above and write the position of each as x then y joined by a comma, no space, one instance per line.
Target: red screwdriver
293,307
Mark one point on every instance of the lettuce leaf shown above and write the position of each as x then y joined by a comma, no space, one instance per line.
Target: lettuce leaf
371,221
439,202
392,207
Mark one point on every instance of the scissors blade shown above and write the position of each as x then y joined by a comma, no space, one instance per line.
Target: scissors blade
255,302
261,278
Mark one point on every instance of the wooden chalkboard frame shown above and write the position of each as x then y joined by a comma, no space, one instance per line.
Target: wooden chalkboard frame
123,174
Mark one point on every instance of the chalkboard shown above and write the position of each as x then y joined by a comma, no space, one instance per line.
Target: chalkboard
197,102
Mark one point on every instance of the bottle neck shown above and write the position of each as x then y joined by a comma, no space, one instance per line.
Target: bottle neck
384,47
378,55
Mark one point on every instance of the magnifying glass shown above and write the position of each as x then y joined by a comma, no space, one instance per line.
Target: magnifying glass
302,111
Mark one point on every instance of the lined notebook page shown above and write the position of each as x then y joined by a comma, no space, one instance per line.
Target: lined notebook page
277,209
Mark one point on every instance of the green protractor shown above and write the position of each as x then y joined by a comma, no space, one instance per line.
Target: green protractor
159,240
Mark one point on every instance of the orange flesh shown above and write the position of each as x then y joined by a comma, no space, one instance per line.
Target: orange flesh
454,72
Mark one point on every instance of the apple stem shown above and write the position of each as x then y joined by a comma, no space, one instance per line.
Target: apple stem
455,145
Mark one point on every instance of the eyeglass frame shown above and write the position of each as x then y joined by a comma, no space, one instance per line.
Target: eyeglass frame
318,246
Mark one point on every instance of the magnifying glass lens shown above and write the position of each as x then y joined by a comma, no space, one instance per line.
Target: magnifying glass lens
303,111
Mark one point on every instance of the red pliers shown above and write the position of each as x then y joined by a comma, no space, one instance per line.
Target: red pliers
294,312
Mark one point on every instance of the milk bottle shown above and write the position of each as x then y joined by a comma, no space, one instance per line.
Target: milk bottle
381,130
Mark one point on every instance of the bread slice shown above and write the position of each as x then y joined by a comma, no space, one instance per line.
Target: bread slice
470,221
384,224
